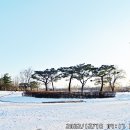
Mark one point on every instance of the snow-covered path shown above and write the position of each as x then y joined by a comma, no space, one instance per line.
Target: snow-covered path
35,115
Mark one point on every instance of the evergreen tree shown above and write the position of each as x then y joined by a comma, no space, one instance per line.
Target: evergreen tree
34,85
6,81
68,72
83,73
47,76
102,73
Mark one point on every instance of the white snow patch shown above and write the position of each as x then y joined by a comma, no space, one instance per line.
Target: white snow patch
28,113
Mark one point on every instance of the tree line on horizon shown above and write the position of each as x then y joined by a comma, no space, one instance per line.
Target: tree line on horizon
105,74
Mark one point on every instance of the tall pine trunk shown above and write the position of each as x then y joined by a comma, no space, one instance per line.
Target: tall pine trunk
82,88
69,88
46,86
101,84
113,85
52,85
113,88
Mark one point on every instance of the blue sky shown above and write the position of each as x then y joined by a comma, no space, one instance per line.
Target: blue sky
53,33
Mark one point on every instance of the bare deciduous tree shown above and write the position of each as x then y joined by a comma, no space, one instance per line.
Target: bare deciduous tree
115,75
25,76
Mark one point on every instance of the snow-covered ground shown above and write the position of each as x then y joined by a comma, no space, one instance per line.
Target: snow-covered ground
28,113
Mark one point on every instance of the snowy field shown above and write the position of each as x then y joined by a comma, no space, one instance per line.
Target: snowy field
28,113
